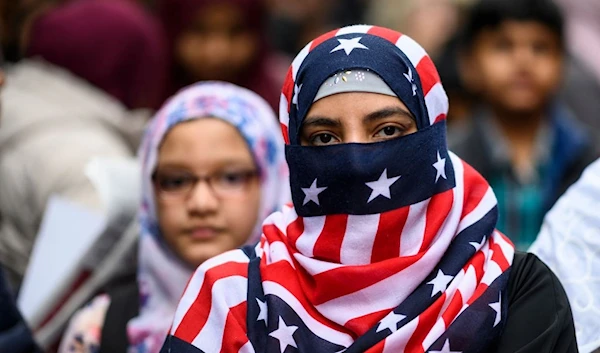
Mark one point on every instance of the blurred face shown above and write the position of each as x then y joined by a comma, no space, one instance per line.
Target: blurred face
431,23
217,46
207,189
356,117
517,67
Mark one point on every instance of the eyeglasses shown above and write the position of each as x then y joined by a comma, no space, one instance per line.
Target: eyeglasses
179,184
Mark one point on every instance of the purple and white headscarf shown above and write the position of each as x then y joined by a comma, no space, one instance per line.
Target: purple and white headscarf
161,275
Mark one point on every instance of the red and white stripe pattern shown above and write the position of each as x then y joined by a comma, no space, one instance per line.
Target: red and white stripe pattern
303,264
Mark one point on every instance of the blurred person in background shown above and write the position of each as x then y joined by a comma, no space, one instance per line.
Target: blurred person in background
114,45
569,243
582,86
213,168
293,23
88,63
522,139
222,40
431,23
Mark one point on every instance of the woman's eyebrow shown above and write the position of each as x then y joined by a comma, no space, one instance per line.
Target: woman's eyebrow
386,113
321,121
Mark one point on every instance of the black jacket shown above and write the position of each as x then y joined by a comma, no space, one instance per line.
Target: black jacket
15,336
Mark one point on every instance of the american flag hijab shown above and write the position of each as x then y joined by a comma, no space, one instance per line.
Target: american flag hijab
389,247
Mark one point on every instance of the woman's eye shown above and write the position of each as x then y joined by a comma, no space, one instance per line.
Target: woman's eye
389,131
324,139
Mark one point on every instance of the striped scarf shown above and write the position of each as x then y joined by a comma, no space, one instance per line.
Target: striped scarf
389,247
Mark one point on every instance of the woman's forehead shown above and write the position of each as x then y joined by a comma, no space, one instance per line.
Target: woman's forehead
348,104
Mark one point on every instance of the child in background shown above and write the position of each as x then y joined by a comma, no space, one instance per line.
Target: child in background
213,168
522,139
222,40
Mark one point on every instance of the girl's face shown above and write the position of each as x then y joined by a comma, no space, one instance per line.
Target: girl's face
217,45
207,189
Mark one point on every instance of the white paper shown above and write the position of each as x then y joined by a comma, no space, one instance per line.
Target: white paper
118,183
66,234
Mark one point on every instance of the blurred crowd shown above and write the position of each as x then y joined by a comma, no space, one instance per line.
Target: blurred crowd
85,79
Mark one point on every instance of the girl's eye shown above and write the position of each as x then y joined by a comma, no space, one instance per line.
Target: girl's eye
324,139
389,132
174,183
233,179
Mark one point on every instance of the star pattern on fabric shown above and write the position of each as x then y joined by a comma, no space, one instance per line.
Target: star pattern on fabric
262,315
477,245
285,335
348,45
497,307
446,348
312,193
440,282
381,186
390,322
411,80
297,90
440,167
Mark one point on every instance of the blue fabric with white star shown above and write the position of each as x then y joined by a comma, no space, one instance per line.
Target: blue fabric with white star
356,178
416,166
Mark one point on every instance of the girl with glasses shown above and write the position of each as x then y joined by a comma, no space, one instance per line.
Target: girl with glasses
212,169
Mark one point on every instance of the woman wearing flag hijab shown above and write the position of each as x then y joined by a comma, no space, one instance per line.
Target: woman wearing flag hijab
390,245
212,169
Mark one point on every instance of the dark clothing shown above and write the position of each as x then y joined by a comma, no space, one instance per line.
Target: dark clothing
564,149
124,306
539,315
15,336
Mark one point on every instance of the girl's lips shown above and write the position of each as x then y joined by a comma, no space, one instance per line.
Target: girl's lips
202,233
